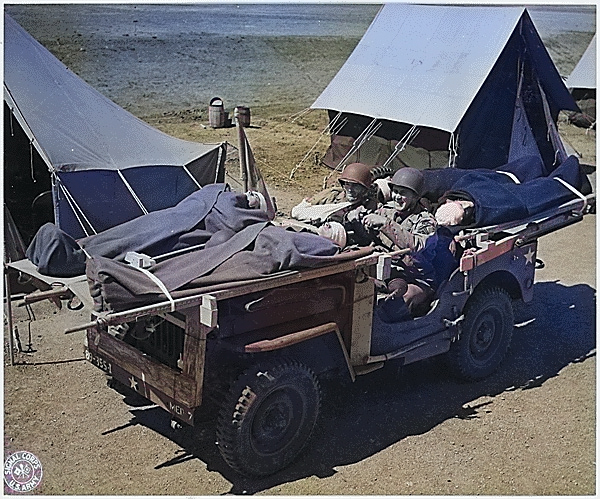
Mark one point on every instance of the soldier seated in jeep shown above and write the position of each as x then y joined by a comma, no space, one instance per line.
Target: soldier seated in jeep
403,223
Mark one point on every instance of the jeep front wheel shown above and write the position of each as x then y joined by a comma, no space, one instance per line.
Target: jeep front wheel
268,416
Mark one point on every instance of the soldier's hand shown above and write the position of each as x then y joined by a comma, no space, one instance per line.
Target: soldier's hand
356,214
374,221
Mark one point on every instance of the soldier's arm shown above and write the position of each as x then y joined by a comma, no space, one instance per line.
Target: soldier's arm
425,227
412,235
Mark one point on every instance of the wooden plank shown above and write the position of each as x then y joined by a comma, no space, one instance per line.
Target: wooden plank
185,390
290,339
194,352
362,321
136,363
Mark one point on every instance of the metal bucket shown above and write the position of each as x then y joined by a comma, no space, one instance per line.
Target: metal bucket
216,113
242,113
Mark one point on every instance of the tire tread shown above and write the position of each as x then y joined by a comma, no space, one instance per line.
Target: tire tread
237,402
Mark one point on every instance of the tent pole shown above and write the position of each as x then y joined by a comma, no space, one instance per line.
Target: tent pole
11,341
221,161
242,153
551,129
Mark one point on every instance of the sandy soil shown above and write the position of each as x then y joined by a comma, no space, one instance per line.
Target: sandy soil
527,430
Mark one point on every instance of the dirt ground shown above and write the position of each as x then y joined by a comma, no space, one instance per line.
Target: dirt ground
527,430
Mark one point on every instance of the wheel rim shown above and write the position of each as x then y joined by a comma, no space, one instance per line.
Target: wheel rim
277,421
487,333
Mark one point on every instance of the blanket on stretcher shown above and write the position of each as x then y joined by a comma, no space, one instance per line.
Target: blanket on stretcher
193,221
257,251
500,198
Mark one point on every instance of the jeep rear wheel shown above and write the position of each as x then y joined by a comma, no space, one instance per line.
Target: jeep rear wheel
267,417
485,336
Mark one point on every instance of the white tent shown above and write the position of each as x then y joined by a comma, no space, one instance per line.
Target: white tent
100,165
413,54
584,73
463,76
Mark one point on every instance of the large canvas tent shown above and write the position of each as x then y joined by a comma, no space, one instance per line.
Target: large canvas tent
70,149
583,75
463,86
582,85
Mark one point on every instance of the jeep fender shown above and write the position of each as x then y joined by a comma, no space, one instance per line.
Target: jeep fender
321,348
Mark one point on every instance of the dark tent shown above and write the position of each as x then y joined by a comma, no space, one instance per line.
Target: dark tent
463,86
74,157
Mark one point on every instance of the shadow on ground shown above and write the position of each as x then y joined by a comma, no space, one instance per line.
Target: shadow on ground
361,419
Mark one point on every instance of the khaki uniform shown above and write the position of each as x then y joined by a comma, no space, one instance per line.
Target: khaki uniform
409,232
403,231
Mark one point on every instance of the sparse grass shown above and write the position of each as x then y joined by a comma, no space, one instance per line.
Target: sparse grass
280,141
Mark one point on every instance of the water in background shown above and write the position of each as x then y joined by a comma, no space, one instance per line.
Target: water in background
257,19
246,19
167,57
552,19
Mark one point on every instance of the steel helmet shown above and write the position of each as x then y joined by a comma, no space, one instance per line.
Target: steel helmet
411,178
358,173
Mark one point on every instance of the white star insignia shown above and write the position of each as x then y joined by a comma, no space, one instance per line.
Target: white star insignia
133,383
529,256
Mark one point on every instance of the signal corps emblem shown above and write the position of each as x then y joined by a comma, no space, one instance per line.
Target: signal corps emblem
22,471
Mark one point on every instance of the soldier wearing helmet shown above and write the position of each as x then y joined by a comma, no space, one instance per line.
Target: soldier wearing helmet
357,182
355,191
359,189
402,223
